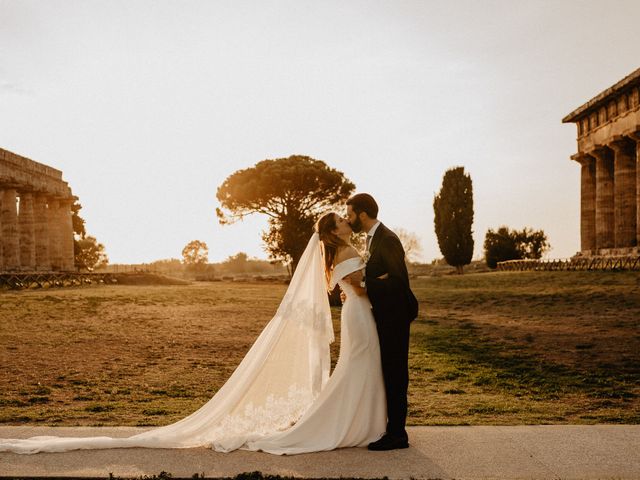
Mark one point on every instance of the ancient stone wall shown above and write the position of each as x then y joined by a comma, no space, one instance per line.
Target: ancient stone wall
36,233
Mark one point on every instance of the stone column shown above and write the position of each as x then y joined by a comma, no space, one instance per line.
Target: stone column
42,233
587,203
605,220
10,235
66,235
53,220
636,137
1,241
624,187
27,233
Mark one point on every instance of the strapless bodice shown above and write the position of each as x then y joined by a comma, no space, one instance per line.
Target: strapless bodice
343,269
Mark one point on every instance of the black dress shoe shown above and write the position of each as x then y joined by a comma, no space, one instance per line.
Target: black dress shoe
389,442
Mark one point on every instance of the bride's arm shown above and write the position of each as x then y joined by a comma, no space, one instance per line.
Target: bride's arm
354,280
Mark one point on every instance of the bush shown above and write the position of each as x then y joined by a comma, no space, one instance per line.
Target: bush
505,244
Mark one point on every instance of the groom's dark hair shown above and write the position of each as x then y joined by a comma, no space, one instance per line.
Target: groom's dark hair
363,202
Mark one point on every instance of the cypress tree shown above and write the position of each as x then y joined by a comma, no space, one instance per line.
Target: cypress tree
453,208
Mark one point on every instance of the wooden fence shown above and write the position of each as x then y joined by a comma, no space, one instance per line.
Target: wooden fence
578,263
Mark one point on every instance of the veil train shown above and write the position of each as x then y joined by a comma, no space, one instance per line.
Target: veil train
275,383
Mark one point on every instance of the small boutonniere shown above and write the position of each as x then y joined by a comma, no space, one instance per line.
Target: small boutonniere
365,258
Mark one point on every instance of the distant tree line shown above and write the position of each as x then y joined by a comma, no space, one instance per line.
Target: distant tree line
239,264
294,191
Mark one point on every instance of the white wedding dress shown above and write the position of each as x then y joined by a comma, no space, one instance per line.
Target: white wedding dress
281,399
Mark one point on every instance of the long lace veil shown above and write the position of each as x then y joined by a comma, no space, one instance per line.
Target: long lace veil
274,384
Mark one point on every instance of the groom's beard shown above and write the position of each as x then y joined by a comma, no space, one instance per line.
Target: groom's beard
356,226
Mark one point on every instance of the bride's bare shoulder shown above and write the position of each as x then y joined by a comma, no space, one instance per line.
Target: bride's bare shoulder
345,253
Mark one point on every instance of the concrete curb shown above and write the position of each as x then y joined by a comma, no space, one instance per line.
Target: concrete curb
481,452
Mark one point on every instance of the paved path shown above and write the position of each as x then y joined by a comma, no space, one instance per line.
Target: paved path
519,452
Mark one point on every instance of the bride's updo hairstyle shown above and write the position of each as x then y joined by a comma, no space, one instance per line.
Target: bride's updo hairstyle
330,241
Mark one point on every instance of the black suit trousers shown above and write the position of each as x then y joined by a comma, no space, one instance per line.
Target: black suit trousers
394,352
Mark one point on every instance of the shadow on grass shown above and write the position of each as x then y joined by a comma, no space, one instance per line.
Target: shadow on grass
544,293
491,364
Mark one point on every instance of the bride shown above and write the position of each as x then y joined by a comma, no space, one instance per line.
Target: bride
281,399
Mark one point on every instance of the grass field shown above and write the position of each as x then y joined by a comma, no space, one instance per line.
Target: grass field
496,348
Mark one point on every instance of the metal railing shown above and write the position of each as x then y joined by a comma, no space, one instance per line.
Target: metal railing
631,262
23,280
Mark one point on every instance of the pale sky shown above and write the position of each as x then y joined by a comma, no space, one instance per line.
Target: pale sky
147,106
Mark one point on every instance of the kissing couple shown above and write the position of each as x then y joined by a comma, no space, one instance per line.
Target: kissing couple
281,398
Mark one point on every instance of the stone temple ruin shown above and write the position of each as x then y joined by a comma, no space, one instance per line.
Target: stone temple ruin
36,231
609,153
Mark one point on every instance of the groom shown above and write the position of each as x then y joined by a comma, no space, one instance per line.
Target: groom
394,307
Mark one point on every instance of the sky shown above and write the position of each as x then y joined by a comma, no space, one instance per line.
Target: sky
148,106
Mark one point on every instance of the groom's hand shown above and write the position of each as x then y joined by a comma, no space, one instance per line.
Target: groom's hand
354,278
383,277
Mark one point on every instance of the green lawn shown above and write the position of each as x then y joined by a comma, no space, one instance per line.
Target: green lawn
493,348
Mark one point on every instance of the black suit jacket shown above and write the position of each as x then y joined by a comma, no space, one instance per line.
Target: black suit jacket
391,299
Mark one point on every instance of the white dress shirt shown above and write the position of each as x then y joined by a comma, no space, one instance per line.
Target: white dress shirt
371,233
